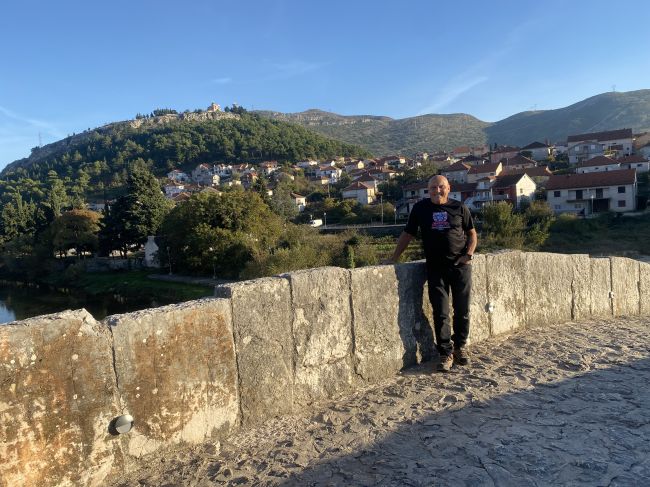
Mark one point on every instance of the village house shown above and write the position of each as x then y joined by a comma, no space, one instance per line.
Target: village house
473,160
518,162
300,201
484,170
223,170
178,176
173,189
457,172
615,143
353,166
592,192
462,151
462,191
539,174
598,164
504,151
332,173
637,162
538,151
359,191
367,179
515,188
268,167
203,174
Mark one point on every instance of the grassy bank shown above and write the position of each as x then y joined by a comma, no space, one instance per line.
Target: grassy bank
608,234
129,284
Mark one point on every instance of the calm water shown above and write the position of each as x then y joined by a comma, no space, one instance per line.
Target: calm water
18,303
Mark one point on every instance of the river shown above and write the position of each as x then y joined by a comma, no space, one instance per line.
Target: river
18,303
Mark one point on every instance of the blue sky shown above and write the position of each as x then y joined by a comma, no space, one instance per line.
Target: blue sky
70,65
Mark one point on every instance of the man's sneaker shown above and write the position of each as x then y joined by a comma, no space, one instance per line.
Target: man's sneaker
446,361
461,357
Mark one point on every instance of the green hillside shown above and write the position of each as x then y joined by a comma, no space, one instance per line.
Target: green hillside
430,133
99,159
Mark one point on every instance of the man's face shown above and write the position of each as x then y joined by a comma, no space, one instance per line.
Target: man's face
439,190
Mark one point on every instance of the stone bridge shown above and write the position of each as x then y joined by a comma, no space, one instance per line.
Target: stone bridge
249,367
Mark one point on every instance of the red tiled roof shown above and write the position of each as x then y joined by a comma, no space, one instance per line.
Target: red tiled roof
534,145
600,136
462,187
507,180
457,166
484,168
517,160
598,161
357,185
592,179
632,159
505,148
531,171
416,186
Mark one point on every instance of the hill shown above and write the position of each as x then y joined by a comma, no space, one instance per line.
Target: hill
430,133
101,157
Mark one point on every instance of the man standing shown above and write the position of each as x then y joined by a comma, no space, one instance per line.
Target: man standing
449,241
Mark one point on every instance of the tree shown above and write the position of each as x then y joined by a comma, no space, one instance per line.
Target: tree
136,215
76,229
502,228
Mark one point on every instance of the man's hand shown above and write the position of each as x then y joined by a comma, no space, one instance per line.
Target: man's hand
463,260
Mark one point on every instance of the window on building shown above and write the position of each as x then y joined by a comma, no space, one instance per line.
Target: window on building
621,203
621,189
557,207
599,193
578,194
557,194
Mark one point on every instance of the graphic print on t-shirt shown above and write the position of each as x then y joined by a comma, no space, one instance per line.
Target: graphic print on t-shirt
440,221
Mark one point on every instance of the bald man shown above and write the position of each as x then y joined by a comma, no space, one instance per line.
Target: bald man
449,240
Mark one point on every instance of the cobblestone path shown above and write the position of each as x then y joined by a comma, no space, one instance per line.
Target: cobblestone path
563,405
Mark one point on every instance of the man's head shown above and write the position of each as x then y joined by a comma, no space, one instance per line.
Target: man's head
439,189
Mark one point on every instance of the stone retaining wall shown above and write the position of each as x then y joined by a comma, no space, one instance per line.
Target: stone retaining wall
260,349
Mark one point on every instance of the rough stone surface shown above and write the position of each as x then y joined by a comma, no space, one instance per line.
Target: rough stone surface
625,284
581,286
57,398
601,285
262,317
479,316
644,288
389,322
506,285
176,372
322,333
565,405
548,283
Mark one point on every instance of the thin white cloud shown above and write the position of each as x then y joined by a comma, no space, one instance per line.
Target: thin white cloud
452,90
30,122
291,69
222,81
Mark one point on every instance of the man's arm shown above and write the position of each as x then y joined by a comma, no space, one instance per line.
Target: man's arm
402,243
472,242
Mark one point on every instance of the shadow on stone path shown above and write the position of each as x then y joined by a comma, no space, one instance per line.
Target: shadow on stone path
563,405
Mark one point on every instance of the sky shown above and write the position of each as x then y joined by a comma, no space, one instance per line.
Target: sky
67,66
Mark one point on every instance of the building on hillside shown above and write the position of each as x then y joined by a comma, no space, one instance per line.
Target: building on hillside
300,201
504,151
473,160
359,191
353,166
457,172
517,162
268,167
483,171
332,173
594,192
515,188
173,189
178,176
538,151
614,143
462,191
597,164
637,162
213,108
539,174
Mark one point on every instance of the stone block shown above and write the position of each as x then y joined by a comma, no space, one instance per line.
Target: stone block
389,324
262,317
548,288
57,399
479,317
644,288
176,372
322,333
625,284
581,287
601,286
505,291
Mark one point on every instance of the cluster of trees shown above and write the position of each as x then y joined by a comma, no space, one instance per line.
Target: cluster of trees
526,228
101,159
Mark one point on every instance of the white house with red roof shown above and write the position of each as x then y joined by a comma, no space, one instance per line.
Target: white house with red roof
504,151
617,143
517,162
484,171
359,191
268,167
636,161
457,172
538,151
593,192
178,176
598,164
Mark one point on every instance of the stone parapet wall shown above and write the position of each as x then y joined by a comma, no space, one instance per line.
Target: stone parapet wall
260,349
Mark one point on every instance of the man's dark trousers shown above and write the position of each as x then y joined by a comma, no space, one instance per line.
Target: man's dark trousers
443,277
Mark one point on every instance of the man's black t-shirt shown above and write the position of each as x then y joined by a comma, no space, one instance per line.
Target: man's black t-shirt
443,228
